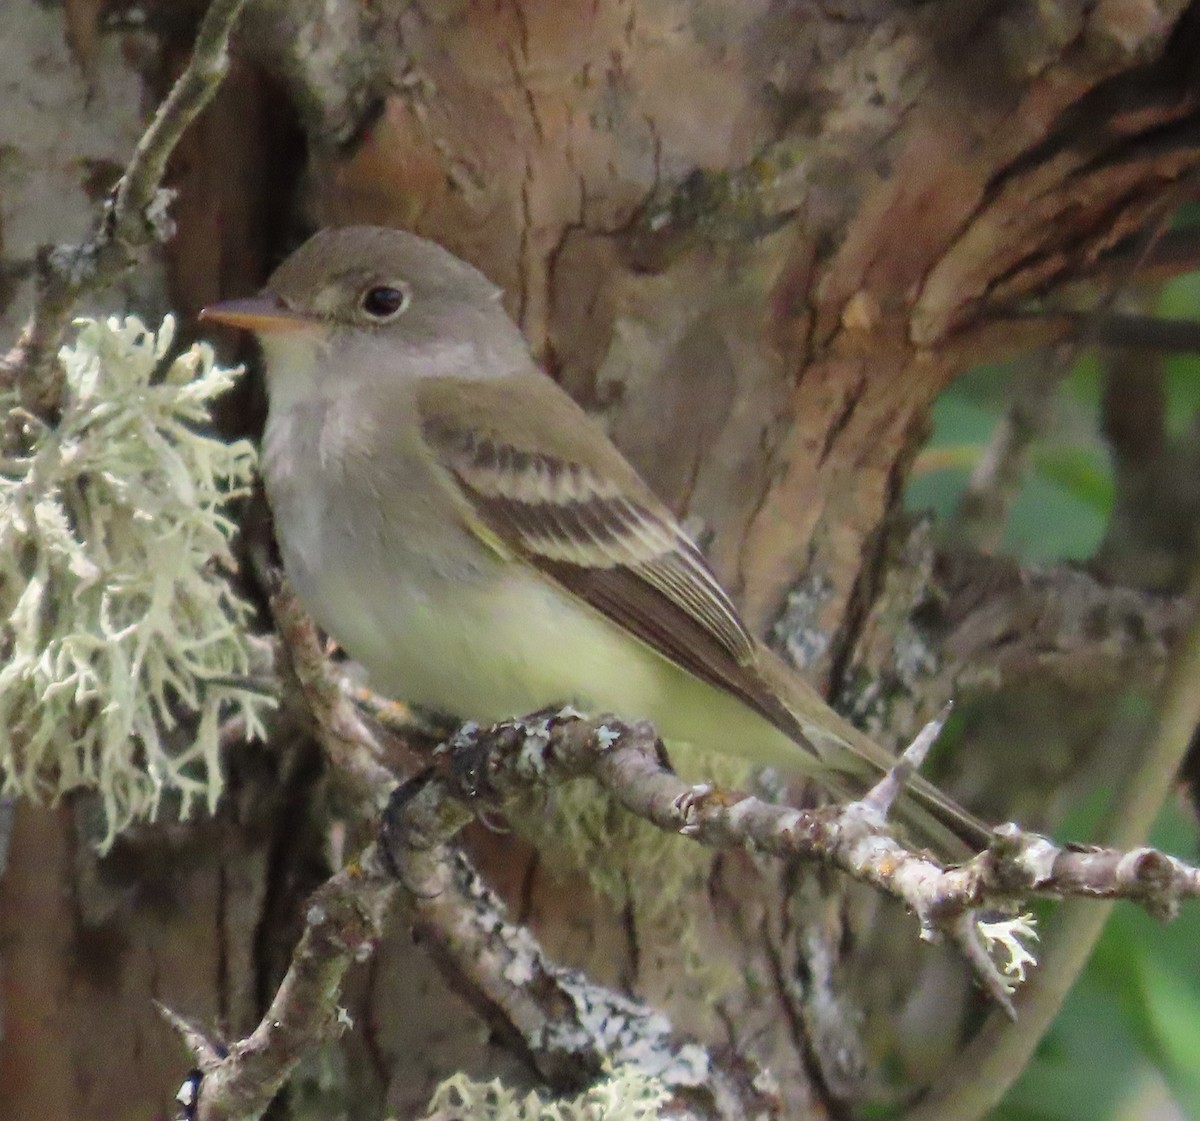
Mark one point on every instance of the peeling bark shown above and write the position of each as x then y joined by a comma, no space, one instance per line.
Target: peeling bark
755,239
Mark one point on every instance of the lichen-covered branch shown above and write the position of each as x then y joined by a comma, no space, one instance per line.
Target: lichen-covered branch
343,921
487,766
571,1031
996,623
134,217
567,1028
955,624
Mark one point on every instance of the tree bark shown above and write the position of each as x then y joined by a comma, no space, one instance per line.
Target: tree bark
755,240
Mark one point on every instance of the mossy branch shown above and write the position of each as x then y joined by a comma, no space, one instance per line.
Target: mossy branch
570,1031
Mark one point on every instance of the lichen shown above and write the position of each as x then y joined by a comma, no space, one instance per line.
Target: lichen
582,830
625,1094
632,1036
798,630
1006,940
119,630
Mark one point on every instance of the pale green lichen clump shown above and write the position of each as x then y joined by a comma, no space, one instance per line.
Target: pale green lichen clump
626,1094
581,829
117,621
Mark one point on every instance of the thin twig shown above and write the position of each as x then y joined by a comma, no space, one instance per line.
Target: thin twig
487,766
996,1056
343,923
1173,254
1047,328
982,515
134,217
1153,253
882,796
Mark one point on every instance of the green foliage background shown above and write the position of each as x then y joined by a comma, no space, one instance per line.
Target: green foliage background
1128,1039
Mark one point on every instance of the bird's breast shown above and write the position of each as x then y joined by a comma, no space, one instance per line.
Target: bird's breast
374,546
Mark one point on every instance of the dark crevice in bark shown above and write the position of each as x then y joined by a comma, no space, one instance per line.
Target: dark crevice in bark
294,866
1155,85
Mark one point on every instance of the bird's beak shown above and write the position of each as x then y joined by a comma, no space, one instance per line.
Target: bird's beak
266,313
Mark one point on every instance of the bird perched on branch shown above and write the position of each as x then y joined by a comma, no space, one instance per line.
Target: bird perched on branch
459,524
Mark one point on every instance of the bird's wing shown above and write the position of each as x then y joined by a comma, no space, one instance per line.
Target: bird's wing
561,498
578,513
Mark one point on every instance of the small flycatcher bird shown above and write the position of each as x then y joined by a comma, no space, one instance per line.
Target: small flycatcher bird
466,532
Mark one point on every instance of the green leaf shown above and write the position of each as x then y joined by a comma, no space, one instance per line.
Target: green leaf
1082,1069
1083,472
1048,523
1172,1001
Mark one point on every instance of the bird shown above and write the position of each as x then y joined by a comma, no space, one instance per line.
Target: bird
469,535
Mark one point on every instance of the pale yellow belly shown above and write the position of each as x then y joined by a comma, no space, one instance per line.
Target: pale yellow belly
439,621
486,654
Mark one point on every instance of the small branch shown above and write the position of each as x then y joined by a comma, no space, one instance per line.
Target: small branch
958,624
344,918
983,512
1116,330
882,796
488,766
134,218
1150,538
994,622
1174,253
343,923
982,515
997,1055
206,1051
1008,329
348,739
567,1029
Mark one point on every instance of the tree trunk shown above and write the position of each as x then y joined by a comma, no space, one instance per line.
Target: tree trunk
755,239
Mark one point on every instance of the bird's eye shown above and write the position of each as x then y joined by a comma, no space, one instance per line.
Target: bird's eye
384,301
